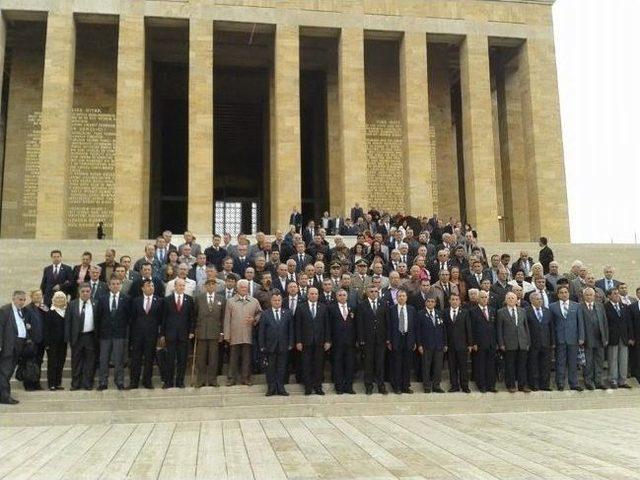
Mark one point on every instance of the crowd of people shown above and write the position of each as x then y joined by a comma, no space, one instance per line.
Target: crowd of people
396,305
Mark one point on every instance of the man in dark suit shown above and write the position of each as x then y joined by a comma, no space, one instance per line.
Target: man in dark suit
146,274
313,338
327,296
475,275
209,318
460,343
146,317
176,329
542,334
548,297
343,342
596,339
108,267
620,326
81,274
56,277
96,286
275,339
309,232
371,320
295,219
215,253
483,327
514,341
301,258
401,342
607,282
432,344
81,334
568,326
13,335
113,315
356,212
545,257
241,261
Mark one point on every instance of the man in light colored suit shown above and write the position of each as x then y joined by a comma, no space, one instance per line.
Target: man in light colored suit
443,289
596,338
514,341
569,331
209,315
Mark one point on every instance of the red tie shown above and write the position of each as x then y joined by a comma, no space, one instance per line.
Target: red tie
179,303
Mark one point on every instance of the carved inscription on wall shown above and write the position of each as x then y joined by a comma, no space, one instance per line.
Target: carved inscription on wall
31,171
434,166
385,170
91,171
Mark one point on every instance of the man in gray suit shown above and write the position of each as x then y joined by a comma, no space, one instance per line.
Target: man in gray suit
13,335
596,338
569,330
209,313
80,334
514,341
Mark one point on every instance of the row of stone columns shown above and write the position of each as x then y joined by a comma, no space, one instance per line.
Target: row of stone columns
543,147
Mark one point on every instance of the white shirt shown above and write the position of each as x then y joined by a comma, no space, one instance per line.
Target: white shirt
405,326
293,303
189,287
111,297
22,329
89,325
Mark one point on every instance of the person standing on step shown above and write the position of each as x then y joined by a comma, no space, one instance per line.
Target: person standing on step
146,318
13,335
460,343
371,318
432,345
401,342
80,332
209,316
343,342
275,340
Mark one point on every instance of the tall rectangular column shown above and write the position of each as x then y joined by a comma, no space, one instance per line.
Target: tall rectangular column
477,128
130,217
414,100
285,167
543,140
55,133
352,185
3,126
200,189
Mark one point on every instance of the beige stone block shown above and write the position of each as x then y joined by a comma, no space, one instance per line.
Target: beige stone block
477,121
200,202
130,217
414,102
55,136
352,117
543,141
285,168
334,136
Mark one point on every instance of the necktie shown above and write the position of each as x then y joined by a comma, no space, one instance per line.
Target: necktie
93,289
300,258
55,271
454,315
486,313
20,314
513,315
565,310
210,302
374,306
114,304
292,304
179,303
617,307
313,310
403,321
277,316
147,304
344,311
539,312
432,317
590,306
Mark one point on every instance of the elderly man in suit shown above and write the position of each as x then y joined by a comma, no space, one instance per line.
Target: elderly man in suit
569,334
80,333
621,336
596,338
343,342
514,341
242,313
56,277
541,331
401,341
113,315
97,287
432,345
607,282
459,342
13,335
483,328
276,338
313,339
209,317
146,318
371,320
443,290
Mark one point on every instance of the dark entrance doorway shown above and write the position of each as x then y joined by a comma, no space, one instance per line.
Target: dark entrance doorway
169,148
241,142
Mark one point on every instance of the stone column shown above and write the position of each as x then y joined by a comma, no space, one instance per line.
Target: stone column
200,202
477,127
3,126
352,185
130,217
414,101
285,167
55,133
544,154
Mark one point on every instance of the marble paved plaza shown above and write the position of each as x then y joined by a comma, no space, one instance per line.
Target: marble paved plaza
577,444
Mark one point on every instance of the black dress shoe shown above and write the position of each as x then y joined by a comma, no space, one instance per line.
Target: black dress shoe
368,389
601,387
38,387
397,391
625,385
560,388
338,392
283,393
307,391
133,386
180,385
588,386
534,389
9,401
165,386
88,389
407,390
453,389
148,386
120,387
382,389
270,393
59,387
216,384
546,389
466,390
438,390
577,388
319,391
101,387
492,390
427,390
73,389
351,391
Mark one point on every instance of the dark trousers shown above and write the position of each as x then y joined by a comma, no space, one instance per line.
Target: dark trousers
83,361
566,360
374,363
485,369
207,361
312,366
176,361
515,368
56,355
401,359
343,360
112,349
432,361
593,368
8,365
240,354
143,349
539,367
458,368
295,366
276,371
